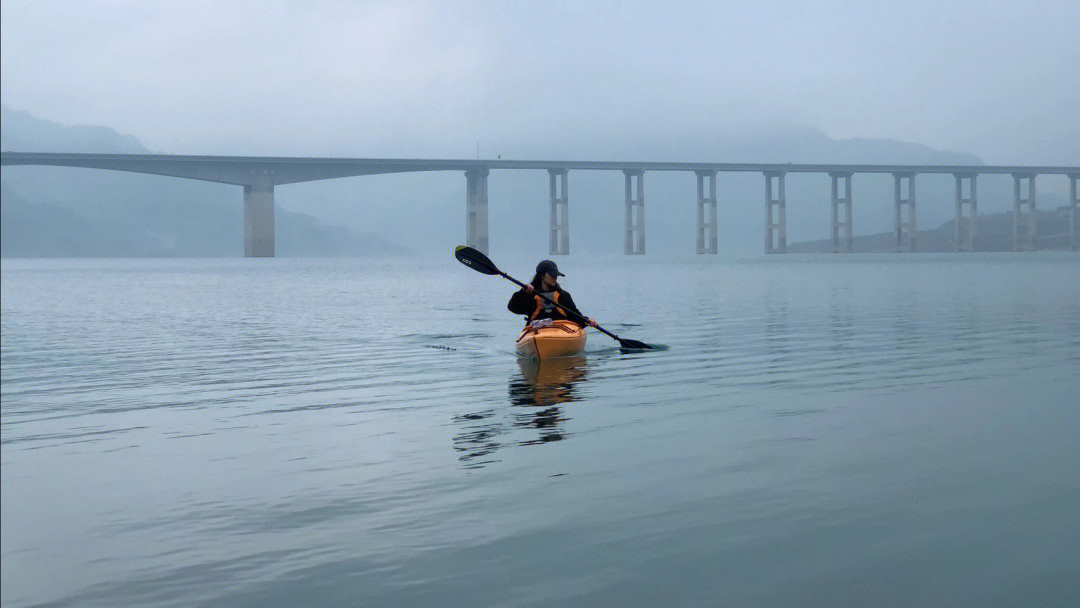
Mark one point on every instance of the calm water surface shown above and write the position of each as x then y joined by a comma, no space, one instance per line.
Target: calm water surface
883,430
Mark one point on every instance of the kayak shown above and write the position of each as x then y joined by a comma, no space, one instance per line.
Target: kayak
559,339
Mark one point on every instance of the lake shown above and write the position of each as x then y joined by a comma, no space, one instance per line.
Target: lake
886,430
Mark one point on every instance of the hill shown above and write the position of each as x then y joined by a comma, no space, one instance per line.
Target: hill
994,233
154,215
63,212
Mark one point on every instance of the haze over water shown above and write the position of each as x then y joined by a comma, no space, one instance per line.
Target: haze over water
827,430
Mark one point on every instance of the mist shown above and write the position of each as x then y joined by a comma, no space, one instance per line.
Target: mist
772,82
420,79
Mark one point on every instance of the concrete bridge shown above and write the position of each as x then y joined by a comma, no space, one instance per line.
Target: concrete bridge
259,175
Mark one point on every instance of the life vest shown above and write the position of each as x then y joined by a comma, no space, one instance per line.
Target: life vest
540,306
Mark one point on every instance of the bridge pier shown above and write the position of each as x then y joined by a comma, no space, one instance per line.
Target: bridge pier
837,201
775,224
1074,209
259,215
560,219
476,208
965,239
634,243
706,211
260,175
908,228
1023,219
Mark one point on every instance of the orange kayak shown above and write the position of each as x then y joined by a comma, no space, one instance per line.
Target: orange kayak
559,339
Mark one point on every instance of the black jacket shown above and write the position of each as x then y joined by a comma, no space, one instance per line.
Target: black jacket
524,303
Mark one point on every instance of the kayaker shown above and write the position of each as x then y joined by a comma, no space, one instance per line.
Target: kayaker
546,281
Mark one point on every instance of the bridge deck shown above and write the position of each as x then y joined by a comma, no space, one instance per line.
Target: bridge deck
236,169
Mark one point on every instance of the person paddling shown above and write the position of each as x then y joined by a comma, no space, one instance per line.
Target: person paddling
481,263
526,302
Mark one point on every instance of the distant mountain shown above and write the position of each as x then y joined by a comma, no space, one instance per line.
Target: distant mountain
993,233
23,132
65,212
154,215
43,230
596,197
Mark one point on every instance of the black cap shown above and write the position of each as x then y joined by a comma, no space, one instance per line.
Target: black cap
548,267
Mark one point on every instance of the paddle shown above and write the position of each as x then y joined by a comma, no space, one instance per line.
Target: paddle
480,263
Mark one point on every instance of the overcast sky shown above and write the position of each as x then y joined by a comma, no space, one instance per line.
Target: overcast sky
419,79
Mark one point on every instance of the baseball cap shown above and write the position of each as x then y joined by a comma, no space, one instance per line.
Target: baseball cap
548,267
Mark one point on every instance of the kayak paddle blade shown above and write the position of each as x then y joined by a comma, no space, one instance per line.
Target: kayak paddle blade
633,344
475,260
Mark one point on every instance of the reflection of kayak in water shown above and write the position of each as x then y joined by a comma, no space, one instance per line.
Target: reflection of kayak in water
547,382
559,339
562,370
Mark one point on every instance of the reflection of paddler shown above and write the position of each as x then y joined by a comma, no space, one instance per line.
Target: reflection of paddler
549,381
553,371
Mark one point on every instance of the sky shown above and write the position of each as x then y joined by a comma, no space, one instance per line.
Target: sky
438,79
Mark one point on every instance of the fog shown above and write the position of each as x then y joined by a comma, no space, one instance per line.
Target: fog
725,82
431,79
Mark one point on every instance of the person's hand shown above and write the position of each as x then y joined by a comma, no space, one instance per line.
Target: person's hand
527,289
592,323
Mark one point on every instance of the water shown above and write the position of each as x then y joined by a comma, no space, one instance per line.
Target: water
833,430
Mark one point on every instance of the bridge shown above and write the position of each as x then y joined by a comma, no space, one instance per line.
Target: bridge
259,175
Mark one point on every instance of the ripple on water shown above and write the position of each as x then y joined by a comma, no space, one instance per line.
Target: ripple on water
240,435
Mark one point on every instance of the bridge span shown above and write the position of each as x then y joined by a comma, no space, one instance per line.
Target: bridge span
259,175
